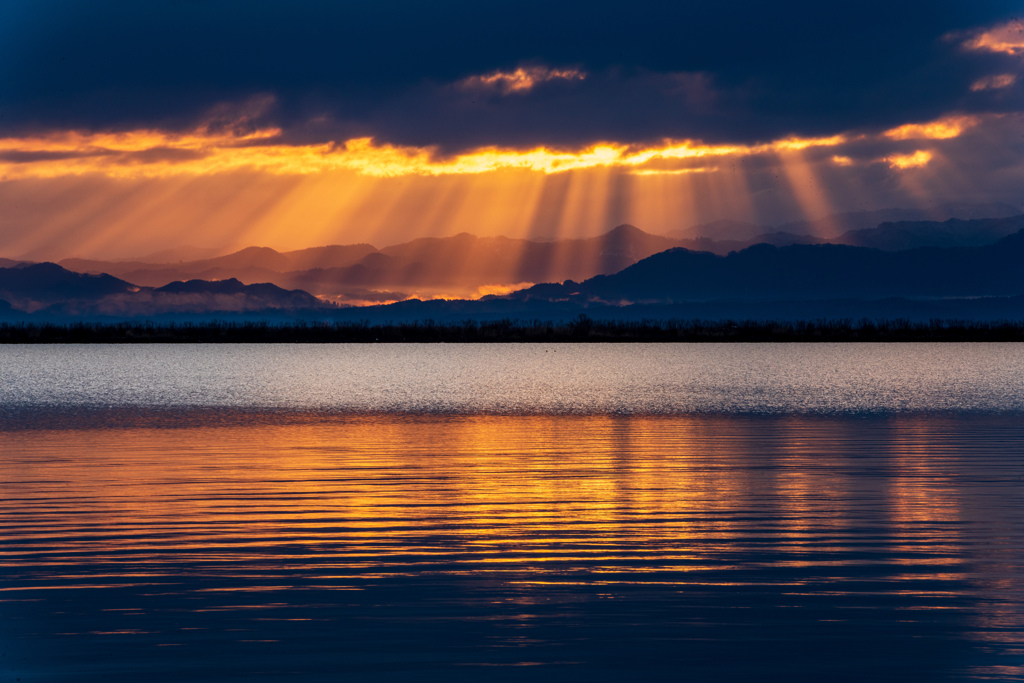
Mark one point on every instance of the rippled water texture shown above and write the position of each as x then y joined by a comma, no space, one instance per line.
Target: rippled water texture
745,513
523,378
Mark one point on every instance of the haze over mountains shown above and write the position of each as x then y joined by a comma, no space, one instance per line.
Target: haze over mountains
619,272
459,266
466,266
53,291
946,225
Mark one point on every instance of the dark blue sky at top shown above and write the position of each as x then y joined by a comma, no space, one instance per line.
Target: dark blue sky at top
750,70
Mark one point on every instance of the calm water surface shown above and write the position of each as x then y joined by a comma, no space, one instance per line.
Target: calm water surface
705,512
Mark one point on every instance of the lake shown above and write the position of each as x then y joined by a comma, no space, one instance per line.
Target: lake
566,512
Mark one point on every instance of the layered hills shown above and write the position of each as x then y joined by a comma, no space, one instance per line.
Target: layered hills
625,273
50,290
456,266
803,272
466,266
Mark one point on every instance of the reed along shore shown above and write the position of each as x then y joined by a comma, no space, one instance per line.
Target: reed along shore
581,329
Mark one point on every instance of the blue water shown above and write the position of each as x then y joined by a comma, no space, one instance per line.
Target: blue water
712,513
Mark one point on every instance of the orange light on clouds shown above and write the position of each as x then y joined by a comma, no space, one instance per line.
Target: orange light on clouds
102,194
994,82
520,80
1006,38
674,171
942,129
153,154
916,160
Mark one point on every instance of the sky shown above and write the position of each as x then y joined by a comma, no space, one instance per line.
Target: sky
128,128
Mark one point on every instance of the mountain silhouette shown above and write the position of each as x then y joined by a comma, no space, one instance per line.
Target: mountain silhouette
458,265
49,288
463,265
30,287
765,272
831,227
889,236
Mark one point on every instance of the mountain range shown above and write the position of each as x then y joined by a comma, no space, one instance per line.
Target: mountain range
50,290
624,272
452,266
466,266
836,224
803,272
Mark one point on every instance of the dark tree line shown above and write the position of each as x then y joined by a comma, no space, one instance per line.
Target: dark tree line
581,329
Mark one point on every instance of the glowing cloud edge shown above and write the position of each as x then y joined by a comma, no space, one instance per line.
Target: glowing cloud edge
153,153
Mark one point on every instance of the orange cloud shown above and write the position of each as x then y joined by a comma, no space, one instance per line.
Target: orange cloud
1006,38
520,80
942,129
903,161
674,171
994,82
149,153
499,290
206,152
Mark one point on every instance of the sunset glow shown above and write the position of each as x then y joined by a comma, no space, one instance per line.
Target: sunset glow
251,169
543,341
915,160
942,129
156,154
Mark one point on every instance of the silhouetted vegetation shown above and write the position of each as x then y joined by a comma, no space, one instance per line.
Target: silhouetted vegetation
581,329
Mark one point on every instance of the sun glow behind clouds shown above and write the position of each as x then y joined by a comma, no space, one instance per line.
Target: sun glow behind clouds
160,154
916,160
127,194
154,154
943,129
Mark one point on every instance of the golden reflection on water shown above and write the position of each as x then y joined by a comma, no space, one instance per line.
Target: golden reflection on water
541,489
894,515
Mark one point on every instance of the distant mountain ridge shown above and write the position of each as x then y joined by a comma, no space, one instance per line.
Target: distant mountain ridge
761,282
457,265
463,266
834,225
889,236
765,272
51,289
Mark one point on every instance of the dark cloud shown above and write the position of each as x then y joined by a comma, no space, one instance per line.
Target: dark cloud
720,71
28,157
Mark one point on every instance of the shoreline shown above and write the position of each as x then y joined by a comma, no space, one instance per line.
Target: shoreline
580,330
